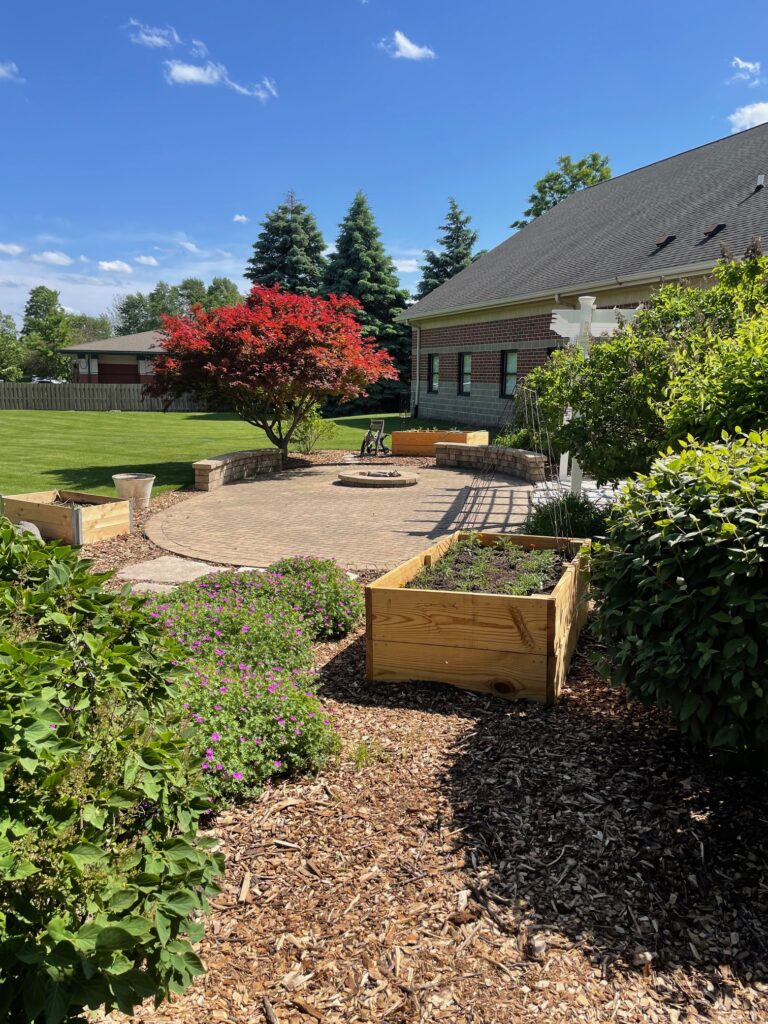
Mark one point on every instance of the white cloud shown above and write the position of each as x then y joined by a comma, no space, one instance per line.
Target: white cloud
56,259
11,249
9,72
189,246
406,266
115,266
154,38
198,49
240,218
177,72
83,259
147,261
748,117
223,253
746,71
401,46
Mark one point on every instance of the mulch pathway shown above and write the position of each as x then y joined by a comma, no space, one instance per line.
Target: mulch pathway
477,862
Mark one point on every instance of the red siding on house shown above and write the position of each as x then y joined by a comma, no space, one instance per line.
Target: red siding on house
119,373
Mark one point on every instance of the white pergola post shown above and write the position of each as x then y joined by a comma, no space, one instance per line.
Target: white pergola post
584,341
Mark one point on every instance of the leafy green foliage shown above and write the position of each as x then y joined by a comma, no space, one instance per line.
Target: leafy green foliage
694,361
313,431
144,311
456,244
329,601
102,877
11,352
572,515
247,639
570,176
45,330
516,437
682,590
289,250
504,568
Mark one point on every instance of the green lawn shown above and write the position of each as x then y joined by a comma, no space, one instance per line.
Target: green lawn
81,450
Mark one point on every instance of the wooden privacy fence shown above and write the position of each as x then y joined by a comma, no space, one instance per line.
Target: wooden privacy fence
87,398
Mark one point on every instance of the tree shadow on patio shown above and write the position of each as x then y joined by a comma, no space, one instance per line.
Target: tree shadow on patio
591,822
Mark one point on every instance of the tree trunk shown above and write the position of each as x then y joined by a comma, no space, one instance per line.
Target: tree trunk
283,446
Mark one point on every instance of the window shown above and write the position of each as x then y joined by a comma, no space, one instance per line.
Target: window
433,374
465,373
508,373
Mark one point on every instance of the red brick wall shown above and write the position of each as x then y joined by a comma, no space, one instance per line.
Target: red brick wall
486,366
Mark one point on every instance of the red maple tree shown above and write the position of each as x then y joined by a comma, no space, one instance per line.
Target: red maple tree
270,359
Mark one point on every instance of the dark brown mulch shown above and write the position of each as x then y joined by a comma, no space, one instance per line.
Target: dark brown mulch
340,457
480,862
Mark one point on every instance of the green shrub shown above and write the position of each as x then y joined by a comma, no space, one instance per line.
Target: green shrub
682,588
572,515
521,437
102,878
312,432
331,603
247,637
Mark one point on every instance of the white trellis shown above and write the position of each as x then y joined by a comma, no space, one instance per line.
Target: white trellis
580,326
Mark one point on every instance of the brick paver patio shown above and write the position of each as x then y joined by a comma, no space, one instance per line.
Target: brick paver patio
306,512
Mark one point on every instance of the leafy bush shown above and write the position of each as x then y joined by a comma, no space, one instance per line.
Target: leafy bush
331,603
693,361
572,515
230,617
247,638
520,437
682,587
102,878
312,432
249,726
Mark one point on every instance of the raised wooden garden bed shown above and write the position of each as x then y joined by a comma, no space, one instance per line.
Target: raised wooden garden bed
513,647
70,515
422,442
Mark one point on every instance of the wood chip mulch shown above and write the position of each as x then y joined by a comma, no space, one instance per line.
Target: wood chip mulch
472,861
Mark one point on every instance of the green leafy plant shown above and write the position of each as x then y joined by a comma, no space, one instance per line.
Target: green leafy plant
520,437
329,601
103,879
682,590
312,432
504,568
572,515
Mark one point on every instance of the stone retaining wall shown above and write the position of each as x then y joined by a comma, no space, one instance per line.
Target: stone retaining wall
234,467
515,461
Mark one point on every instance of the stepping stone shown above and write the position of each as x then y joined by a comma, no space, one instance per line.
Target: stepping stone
152,588
168,569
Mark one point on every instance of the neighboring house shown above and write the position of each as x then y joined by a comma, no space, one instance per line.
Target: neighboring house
478,335
126,360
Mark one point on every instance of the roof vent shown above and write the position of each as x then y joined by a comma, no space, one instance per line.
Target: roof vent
712,229
664,240
760,182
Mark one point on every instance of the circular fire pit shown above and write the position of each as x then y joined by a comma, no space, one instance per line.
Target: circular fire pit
378,478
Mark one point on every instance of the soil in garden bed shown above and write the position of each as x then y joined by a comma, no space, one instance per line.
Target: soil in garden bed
507,568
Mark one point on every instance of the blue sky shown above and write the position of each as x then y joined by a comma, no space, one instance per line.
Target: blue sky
133,134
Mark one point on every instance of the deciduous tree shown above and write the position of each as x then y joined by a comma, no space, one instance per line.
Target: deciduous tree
46,329
289,250
11,352
570,176
456,244
271,359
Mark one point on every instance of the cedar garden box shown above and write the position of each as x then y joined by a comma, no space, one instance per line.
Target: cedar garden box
422,442
70,516
513,647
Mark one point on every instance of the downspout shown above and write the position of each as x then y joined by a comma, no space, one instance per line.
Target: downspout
418,374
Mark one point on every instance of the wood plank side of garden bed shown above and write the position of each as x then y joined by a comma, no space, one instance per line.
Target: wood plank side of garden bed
55,522
105,520
422,442
514,647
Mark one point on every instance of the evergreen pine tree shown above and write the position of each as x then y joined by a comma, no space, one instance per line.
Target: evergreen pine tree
289,250
457,242
361,267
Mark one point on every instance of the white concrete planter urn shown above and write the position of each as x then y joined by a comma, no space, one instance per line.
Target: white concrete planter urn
137,487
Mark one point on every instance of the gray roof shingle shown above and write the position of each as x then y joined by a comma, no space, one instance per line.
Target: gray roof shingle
128,344
610,231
